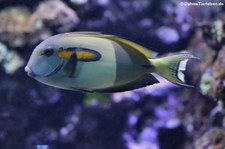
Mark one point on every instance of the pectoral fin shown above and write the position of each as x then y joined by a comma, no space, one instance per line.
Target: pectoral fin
70,66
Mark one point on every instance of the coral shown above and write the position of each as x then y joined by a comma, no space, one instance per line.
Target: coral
57,14
10,60
3,51
22,27
212,139
15,22
218,86
219,74
212,81
206,83
214,34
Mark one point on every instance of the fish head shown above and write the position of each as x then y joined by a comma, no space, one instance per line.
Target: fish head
44,61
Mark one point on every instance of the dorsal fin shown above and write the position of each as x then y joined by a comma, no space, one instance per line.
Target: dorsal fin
87,33
131,45
93,34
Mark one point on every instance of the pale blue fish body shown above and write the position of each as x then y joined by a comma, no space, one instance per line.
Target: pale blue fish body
119,64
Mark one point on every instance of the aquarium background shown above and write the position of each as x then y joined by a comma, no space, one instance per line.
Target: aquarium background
163,116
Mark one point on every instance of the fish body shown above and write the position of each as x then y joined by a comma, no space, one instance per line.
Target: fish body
96,62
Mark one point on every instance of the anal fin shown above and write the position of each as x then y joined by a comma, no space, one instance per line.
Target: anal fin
145,80
80,90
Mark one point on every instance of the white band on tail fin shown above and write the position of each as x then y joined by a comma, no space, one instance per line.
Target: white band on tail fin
181,69
173,67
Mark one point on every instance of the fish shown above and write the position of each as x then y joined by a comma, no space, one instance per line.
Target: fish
96,62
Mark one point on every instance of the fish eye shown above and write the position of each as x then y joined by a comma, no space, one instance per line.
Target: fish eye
48,52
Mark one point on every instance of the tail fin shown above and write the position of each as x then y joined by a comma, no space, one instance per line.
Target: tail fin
173,67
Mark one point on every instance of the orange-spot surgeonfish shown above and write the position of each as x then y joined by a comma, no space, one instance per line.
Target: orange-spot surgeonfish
95,62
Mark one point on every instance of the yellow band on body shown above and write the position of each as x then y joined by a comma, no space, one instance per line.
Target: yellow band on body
82,54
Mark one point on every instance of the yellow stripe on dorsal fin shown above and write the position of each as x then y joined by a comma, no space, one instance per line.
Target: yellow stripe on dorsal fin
133,46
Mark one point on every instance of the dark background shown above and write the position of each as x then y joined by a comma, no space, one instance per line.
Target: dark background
157,117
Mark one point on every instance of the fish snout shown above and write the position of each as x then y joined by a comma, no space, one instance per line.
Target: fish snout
29,72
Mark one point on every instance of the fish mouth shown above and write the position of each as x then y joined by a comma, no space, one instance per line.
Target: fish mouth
32,74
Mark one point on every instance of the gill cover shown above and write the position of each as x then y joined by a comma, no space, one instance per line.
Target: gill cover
42,65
